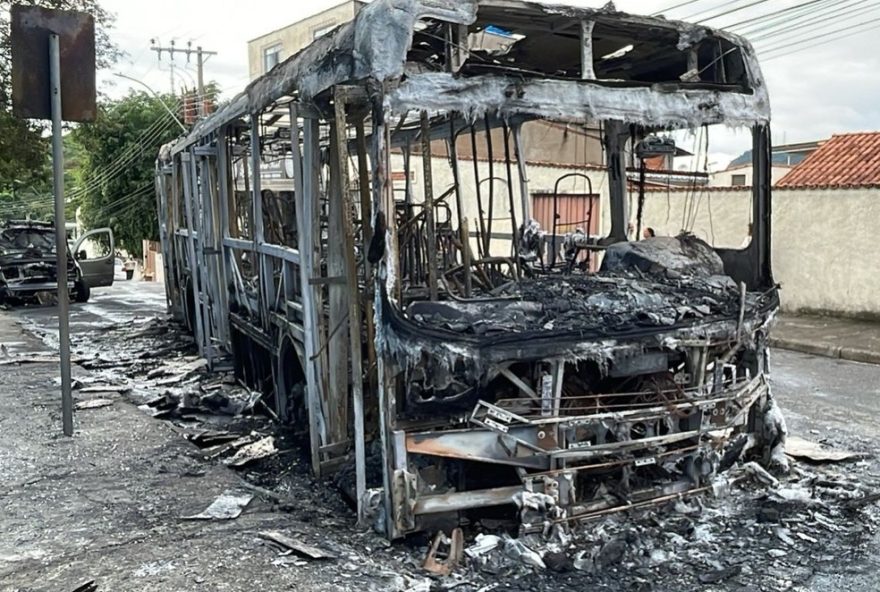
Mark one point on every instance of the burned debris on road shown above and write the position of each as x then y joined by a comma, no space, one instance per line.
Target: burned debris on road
421,332
750,528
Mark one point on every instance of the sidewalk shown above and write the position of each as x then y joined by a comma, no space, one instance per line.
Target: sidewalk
847,339
108,505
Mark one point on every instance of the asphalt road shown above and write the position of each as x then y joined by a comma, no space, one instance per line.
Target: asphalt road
824,399
126,301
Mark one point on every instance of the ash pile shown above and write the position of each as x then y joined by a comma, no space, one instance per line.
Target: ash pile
756,531
655,283
154,364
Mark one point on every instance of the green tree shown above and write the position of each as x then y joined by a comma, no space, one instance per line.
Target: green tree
24,151
117,155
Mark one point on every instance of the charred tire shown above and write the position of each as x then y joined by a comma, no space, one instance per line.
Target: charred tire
81,291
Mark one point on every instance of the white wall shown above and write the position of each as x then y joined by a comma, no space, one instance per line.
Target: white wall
824,241
723,178
825,251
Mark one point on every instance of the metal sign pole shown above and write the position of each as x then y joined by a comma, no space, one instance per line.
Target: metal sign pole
60,234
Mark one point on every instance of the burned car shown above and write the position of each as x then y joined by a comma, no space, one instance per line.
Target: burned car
442,290
28,264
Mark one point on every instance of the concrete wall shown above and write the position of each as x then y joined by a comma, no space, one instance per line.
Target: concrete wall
824,240
825,249
296,36
723,178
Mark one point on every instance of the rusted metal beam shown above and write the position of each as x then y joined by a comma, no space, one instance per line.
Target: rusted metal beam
462,221
338,294
306,163
367,228
466,500
354,307
430,228
587,71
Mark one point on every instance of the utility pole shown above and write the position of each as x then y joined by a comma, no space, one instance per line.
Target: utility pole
201,58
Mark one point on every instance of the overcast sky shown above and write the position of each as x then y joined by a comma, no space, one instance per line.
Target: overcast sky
827,89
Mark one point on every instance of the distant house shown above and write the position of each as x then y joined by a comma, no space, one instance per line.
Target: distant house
785,158
846,161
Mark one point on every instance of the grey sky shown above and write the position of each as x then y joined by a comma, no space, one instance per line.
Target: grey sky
831,88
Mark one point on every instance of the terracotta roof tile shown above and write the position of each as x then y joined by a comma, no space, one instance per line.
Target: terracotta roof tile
846,160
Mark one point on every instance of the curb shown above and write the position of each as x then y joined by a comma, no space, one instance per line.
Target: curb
852,354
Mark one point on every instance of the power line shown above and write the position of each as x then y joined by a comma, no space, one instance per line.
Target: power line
681,5
840,16
146,140
821,43
848,32
201,58
710,18
778,12
115,168
702,12
775,22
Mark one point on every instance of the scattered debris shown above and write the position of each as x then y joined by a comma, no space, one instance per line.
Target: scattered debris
207,438
259,449
105,389
483,544
719,575
93,404
761,519
228,506
760,473
800,448
516,549
443,561
90,586
297,546
27,359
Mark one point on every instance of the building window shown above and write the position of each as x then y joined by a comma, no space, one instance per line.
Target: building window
271,56
323,29
737,180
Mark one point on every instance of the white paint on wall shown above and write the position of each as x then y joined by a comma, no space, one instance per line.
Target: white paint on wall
824,240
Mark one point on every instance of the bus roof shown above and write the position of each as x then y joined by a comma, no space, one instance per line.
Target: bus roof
646,70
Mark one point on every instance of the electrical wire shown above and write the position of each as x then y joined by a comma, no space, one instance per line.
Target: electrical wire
778,12
750,5
692,17
117,167
839,16
149,135
782,22
848,31
676,6
114,169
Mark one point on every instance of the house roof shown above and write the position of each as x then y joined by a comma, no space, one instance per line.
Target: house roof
846,160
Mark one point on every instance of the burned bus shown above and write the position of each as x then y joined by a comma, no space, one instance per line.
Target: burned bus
416,234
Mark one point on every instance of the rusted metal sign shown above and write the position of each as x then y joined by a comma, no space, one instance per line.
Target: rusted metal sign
31,27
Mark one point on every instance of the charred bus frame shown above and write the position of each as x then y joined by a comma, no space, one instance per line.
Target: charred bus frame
357,307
